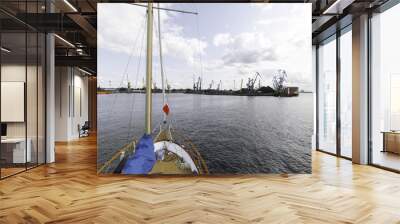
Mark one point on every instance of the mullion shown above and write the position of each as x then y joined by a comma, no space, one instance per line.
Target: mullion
0,93
338,98
369,77
26,86
37,90
317,96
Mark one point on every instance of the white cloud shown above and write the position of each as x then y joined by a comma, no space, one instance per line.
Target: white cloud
121,28
280,40
268,38
249,56
265,22
114,32
176,45
263,6
245,48
222,39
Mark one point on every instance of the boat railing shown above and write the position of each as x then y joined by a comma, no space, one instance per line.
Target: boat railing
191,149
128,149
109,166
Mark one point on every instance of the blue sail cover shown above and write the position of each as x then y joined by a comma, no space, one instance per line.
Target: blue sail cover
144,158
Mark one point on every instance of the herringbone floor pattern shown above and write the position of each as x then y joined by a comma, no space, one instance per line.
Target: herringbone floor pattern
69,191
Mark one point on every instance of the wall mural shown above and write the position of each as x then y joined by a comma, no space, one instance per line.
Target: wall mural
197,89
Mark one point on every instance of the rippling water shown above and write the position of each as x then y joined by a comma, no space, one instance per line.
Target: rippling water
234,134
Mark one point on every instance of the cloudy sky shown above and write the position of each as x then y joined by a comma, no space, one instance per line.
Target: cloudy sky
227,42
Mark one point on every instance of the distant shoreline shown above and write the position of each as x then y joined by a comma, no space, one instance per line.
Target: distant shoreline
209,94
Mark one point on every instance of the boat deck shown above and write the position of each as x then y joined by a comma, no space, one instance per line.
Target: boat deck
170,165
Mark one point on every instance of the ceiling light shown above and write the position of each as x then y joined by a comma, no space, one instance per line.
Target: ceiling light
338,6
79,51
65,41
5,50
84,71
70,5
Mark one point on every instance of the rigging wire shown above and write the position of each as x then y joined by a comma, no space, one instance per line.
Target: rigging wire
161,61
130,132
126,67
125,74
198,45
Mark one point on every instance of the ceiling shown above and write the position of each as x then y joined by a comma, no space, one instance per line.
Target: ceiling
76,40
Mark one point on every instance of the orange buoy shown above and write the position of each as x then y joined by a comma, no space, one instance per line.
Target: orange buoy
166,109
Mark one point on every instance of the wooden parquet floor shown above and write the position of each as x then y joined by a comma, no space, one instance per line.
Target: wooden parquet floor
69,191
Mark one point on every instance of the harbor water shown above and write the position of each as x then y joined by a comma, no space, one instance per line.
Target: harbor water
234,134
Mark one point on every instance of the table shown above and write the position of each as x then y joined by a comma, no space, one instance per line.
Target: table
13,150
391,141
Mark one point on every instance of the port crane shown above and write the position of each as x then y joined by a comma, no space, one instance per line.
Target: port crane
211,85
168,85
197,85
251,82
219,85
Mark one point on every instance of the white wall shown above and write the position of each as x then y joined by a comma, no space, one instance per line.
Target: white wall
12,73
33,126
13,101
71,102
17,73
80,110
62,83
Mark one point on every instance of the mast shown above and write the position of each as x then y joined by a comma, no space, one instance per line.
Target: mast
161,59
149,58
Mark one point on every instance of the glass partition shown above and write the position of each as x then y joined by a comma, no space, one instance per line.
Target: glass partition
41,97
31,99
13,94
346,93
41,88
23,91
385,89
327,96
